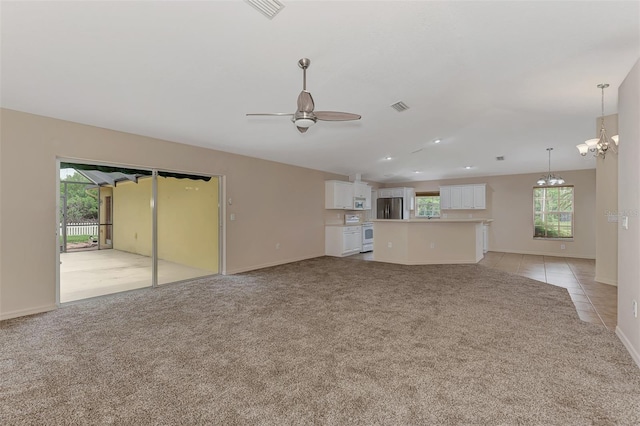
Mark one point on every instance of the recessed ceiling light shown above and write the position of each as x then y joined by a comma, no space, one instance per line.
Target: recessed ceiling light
417,171
437,141
387,158
468,167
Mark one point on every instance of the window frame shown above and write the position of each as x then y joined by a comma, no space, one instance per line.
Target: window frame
428,194
554,212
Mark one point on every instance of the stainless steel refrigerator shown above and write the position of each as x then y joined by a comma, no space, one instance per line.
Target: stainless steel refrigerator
389,208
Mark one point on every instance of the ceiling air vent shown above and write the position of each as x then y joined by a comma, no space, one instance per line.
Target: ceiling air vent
501,158
268,8
400,106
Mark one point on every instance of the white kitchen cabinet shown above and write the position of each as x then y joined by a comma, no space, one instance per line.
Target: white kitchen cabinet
480,196
467,197
456,197
397,192
410,198
463,197
445,197
338,195
342,241
363,190
384,193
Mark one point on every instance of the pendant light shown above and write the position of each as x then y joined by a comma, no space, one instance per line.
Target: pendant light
602,144
550,179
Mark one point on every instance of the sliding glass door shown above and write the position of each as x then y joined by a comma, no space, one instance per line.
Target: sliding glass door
143,228
187,215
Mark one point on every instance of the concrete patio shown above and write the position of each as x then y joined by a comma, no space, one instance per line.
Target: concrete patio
94,273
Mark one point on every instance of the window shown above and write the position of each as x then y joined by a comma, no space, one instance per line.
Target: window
428,204
553,212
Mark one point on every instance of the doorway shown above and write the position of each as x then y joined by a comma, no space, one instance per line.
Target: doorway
153,227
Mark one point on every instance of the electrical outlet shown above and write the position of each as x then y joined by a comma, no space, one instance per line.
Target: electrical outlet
433,245
634,305
562,247
389,245
277,246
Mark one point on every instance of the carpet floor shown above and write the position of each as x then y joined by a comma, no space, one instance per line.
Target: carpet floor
323,341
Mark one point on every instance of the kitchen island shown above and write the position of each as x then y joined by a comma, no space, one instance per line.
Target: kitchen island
428,241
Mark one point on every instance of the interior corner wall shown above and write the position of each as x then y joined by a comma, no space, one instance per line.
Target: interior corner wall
510,205
607,208
628,328
273,203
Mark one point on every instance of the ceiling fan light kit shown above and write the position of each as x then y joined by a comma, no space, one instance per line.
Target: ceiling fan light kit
305,116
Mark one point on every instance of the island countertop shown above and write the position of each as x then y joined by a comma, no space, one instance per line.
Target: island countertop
434,220
428,241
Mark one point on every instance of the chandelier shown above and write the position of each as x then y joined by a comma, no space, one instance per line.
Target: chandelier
601,145
550,179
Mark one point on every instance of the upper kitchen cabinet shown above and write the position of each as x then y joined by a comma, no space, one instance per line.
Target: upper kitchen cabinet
338,195
480,196
463,197
362,190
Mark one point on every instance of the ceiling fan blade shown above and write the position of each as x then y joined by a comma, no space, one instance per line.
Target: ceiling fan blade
305,102
336,116
302,129
272,113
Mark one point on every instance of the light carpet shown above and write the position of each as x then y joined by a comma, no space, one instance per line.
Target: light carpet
323,341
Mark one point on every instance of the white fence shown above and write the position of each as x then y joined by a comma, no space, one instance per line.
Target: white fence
89,228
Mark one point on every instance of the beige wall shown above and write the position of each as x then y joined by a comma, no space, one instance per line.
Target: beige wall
272,202
509,203
606,208
628,328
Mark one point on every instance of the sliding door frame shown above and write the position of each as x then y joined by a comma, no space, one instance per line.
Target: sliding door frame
221,223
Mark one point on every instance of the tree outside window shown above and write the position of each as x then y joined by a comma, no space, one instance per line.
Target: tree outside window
428,204
553,212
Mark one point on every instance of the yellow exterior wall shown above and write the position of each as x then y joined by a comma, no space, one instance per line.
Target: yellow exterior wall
132,217
187,220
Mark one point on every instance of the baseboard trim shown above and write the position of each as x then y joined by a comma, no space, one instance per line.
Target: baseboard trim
269,264
606,281
627,344
543,253
439,262
25,312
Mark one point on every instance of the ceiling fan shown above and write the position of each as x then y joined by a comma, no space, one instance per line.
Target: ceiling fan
305,116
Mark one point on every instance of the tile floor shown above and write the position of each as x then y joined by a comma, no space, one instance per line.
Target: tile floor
595,302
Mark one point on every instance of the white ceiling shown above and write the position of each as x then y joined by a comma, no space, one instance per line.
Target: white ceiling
488,78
